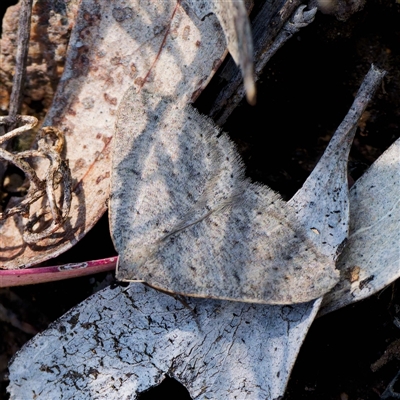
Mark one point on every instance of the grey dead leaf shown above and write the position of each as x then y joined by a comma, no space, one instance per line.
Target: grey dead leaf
135,336
232,15
322,204
112,47
371,258
185,220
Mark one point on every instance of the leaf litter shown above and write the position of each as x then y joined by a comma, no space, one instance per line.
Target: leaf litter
315,305
112,46
55,186
232,15
214,347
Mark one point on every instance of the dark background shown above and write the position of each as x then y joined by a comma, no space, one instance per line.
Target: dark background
303,95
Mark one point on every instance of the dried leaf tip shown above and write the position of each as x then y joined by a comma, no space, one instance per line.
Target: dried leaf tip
233,17
251,91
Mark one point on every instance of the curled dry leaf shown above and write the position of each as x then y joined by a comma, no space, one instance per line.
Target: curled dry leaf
371,258
114,45
53,190
135,336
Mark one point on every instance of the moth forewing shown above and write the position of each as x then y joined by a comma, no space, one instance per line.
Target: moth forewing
187,221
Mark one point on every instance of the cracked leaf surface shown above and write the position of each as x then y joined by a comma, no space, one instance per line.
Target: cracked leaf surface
123,341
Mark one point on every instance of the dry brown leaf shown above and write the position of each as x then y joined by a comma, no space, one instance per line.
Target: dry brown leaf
50,32
113,46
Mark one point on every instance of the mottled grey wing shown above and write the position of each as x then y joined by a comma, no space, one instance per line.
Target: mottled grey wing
185,220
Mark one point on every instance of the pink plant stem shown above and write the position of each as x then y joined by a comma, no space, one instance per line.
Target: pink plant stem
30,276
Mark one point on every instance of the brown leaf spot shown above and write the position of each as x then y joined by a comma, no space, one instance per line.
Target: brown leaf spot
138,81
133,70
174,33
92,19
186,32
79,164
101,177
115,60
109,99
85,33
81,61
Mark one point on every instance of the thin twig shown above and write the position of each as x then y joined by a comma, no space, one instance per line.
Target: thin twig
24,27
29,276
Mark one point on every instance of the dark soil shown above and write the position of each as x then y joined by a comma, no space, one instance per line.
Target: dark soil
303,95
